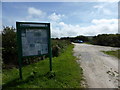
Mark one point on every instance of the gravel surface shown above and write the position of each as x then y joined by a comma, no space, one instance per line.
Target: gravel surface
100,70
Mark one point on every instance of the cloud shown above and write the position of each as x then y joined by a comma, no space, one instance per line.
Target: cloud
60,28
63,30
35,14
101,26
55,17
34,11
105,21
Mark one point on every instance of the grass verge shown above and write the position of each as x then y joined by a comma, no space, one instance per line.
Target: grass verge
66,73
113,53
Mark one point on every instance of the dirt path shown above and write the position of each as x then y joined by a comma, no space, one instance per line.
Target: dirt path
100,70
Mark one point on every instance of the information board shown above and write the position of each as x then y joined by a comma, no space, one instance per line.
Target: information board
34,38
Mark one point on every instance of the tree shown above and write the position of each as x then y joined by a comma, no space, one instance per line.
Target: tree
9,45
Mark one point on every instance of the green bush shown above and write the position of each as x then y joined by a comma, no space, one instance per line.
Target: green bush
58,46
9,45
107,40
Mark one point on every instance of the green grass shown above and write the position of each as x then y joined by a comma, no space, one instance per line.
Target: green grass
113,53
66,73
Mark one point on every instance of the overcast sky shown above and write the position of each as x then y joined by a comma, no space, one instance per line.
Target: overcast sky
67,19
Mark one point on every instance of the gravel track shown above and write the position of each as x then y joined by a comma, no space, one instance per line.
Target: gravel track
100,70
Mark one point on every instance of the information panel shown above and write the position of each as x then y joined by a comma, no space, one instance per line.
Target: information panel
34,38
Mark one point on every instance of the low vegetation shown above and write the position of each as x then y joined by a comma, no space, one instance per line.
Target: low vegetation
58,46
113,53
107,40
66,73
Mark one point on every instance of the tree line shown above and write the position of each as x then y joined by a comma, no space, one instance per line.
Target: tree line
107,40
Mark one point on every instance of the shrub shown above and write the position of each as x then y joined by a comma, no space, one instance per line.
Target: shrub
9,45
107,40
58,46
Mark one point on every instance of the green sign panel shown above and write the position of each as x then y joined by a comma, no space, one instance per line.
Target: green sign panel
33,40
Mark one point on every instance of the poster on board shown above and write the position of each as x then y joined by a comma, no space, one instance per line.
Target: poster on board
34,41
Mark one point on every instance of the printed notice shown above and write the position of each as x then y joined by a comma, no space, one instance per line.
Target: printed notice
34,42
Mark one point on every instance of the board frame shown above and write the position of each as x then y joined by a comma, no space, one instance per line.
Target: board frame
19,42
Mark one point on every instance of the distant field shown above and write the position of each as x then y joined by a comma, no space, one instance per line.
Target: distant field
66,73
113,53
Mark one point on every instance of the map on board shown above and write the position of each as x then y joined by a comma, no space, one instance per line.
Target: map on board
34,42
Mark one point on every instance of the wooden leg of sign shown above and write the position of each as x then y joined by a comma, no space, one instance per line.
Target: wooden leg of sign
49,43
50,56
20,67
50,63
